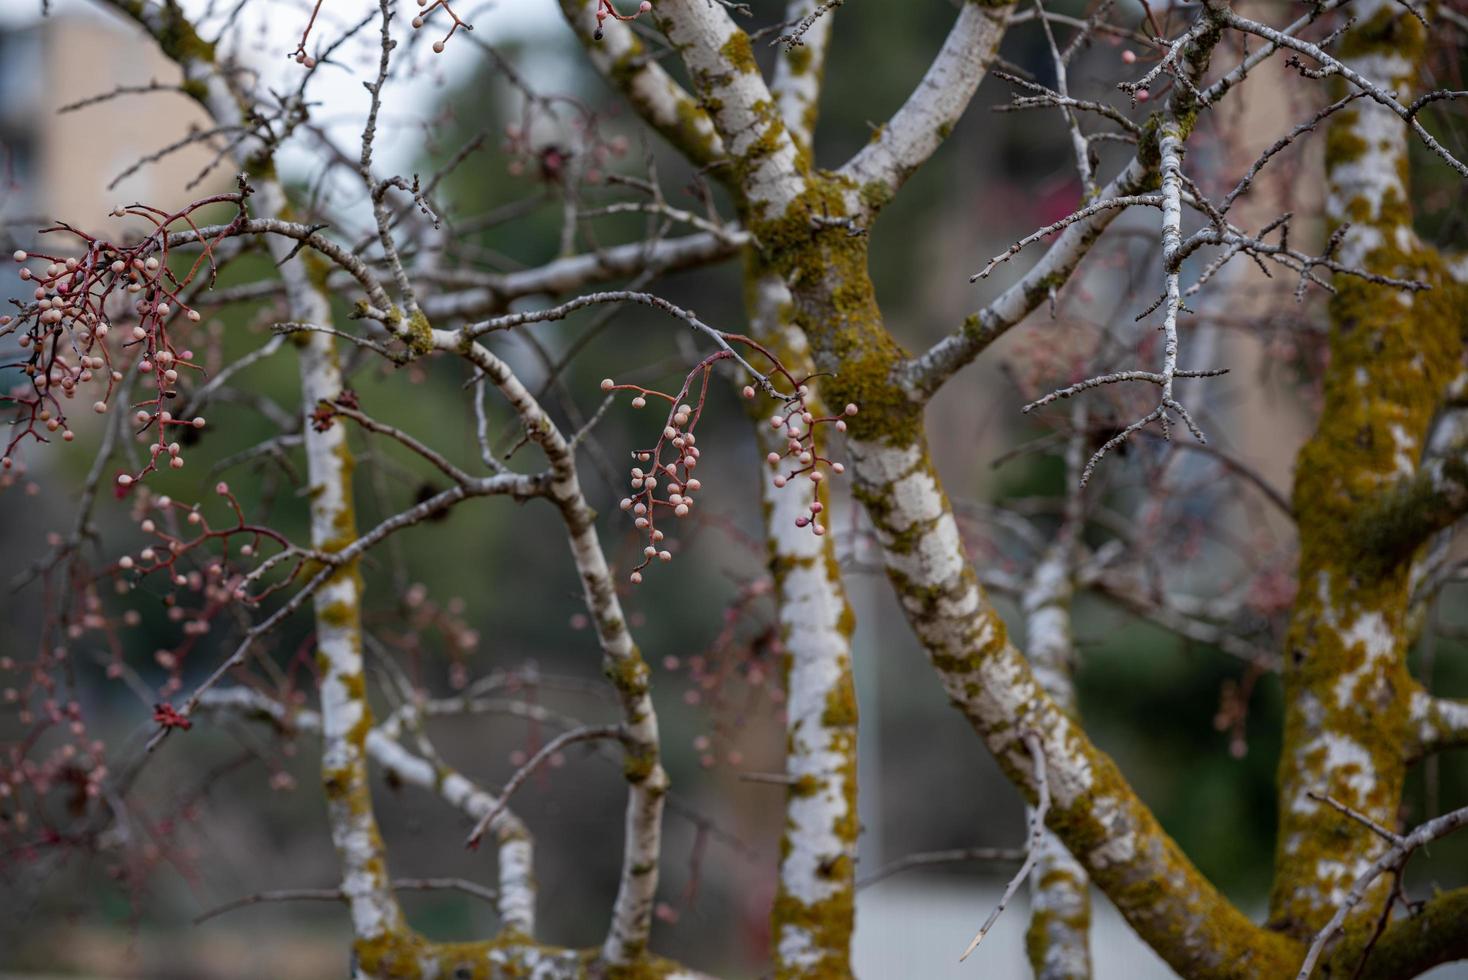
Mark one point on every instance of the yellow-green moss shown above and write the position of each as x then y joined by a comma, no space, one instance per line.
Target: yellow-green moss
840,709
1388,31
629,674
172,30
196,89
419,334
692,132
1045,922
1342,145
799,59
404,955
1390,361
876,194
338,614
829,924
738,53
835,305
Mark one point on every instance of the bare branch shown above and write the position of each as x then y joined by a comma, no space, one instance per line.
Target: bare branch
1392,859
1037,830
911,136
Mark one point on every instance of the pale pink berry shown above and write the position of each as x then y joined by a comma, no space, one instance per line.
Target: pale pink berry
607,384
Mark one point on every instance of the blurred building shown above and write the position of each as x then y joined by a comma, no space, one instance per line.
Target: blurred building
51,161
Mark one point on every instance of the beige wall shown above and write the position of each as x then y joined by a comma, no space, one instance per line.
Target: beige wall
78,153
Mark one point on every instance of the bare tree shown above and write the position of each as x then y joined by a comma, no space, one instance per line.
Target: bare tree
835,398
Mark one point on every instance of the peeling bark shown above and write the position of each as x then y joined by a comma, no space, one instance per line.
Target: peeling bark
1393,353
798,72
1095,812
814,906
1058,939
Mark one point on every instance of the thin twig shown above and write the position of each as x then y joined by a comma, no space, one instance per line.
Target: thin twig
1037,831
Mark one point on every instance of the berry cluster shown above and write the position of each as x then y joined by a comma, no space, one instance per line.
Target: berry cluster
54,753
735,680
798,423
409,630
671,460
604,9
429,6
668,466
198,560
67,338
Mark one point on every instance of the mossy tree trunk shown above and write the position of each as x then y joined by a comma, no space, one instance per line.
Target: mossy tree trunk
815,901
1393,354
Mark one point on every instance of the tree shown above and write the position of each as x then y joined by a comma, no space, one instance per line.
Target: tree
1379,489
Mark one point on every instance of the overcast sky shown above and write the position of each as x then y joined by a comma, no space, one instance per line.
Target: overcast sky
272,29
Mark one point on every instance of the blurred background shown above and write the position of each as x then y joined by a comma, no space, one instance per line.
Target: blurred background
229,810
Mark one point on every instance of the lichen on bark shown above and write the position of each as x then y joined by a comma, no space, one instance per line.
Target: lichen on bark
1392,355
